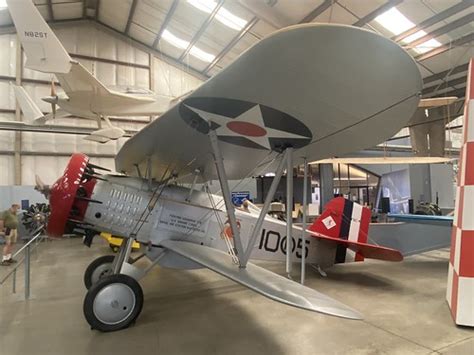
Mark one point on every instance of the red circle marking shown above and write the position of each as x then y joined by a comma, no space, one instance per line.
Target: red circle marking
246,129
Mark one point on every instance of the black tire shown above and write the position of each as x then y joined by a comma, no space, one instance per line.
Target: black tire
88,274
123,282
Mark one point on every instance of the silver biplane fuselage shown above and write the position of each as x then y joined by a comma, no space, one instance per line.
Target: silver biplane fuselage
193,216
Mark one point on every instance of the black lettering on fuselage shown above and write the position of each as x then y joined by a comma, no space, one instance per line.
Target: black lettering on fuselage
272,242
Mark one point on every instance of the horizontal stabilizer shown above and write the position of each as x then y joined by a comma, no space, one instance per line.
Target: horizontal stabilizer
30,110
369,251
261,280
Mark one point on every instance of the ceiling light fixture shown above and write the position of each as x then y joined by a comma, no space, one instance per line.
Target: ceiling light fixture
394,21
223,16
181,43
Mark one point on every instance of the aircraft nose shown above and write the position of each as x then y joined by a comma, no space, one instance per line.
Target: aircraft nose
70,195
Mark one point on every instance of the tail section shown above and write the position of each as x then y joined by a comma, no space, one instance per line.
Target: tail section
43,50
30,110
347,224
45,53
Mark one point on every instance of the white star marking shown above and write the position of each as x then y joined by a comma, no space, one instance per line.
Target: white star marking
253,116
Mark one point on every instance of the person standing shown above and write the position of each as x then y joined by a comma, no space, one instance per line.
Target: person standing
9,224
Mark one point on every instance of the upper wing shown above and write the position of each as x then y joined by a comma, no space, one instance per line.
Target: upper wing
323,89
261,280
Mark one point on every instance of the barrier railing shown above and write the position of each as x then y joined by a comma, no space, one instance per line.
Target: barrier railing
26,250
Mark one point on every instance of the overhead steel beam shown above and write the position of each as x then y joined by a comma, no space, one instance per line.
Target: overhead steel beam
435,19
232,43
166,21
317,11
130,16
97,7
378,11
458,93
84,9
50,10
454,82
444,29
446,47
201,30
146,47
444,74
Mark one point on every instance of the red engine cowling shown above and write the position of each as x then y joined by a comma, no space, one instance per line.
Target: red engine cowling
70,195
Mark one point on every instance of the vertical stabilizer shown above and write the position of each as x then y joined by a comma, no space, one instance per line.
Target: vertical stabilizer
347,220
43,50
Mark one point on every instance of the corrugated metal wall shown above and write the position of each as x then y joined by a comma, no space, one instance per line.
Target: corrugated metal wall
46,154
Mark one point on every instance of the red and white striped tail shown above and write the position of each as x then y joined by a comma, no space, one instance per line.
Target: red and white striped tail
347,220
460,292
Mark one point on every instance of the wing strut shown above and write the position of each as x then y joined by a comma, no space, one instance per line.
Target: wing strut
244,255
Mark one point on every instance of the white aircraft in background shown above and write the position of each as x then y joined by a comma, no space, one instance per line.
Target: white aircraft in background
298,93
84,95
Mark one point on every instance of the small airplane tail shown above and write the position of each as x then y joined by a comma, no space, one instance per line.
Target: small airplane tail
30,110
43,50
347,224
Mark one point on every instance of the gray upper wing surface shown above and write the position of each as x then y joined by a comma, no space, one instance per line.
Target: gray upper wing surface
324,89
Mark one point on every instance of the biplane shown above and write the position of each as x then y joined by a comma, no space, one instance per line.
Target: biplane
303,93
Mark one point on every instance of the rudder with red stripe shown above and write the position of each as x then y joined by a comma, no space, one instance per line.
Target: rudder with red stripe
346,220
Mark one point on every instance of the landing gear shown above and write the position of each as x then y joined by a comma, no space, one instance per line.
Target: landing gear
114,299
98,269
113,303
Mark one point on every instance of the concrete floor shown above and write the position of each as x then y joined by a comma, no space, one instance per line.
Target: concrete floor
200,312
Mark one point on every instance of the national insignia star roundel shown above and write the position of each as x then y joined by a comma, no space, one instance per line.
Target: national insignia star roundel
245,123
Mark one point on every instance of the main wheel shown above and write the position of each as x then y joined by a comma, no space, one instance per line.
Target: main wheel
97,269
113,303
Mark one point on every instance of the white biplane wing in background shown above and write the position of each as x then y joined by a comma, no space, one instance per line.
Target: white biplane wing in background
325,90
34,116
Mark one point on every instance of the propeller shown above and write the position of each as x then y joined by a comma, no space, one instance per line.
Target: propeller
41,187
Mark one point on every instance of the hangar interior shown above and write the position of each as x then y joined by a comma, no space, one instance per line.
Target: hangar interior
170,48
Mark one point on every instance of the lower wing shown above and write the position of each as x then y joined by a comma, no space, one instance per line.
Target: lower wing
260,280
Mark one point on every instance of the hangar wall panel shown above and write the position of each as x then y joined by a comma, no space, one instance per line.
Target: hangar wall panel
7,138
8,57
